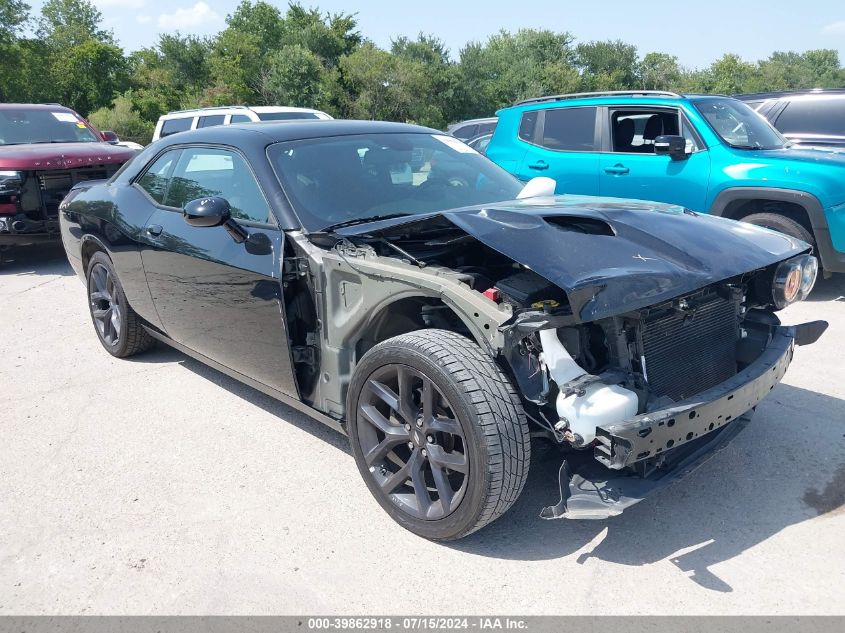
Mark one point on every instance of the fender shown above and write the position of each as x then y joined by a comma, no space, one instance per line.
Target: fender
831,260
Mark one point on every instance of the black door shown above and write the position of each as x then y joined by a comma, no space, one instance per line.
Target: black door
213,295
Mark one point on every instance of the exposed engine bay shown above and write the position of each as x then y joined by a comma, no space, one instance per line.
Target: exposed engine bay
575,377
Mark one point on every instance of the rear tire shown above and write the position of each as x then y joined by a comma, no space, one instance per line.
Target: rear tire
116,324
438,433
782,224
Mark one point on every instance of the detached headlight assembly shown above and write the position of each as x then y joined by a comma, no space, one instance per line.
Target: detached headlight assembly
793,280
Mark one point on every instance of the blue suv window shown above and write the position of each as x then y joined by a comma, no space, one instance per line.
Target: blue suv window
569,129
527,126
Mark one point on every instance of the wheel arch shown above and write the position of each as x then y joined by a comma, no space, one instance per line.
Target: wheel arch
803,207
90,245
411,312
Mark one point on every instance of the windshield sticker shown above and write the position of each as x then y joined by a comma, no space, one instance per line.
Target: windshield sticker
455,144
67,117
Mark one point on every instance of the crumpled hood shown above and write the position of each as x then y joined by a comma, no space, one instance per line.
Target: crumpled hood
44,156
611,255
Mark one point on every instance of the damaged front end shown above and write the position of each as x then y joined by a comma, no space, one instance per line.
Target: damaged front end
640,337
639,399
29,201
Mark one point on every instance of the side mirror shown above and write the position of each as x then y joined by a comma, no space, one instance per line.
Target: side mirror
110,137
673,146
207,212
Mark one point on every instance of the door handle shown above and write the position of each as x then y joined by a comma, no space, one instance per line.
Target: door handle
540,165
154,230
618,169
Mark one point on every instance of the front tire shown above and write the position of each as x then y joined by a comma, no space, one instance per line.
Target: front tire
782,224
118,327
438,433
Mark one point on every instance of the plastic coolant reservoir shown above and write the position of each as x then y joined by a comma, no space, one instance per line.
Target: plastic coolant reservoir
601,404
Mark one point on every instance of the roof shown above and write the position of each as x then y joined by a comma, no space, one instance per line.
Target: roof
626,97
235,108
790,93
51,107
485,119
275,132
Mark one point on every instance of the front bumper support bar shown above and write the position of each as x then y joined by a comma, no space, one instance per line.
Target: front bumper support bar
650,434
681,437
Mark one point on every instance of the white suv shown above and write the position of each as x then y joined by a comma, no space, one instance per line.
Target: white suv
184,120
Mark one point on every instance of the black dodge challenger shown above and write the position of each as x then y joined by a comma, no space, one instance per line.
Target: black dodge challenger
401,288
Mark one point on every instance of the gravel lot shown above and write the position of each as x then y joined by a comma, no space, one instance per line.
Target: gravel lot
160,486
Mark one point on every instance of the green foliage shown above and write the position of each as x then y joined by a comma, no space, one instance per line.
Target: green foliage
509,67
304,57
14,14
659,71
610,65
68,23
293,76
124,119
89,74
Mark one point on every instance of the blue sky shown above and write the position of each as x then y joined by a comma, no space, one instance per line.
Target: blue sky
696,32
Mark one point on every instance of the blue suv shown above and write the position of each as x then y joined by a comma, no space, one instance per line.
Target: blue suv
708,153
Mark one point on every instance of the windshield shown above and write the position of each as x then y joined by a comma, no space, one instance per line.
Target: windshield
343,178
738,125
43,126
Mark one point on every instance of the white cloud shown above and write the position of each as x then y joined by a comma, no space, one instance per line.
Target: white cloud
835,28
143,19
196,15
120,4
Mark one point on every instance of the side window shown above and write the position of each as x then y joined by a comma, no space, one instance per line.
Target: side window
634,131
465,132
202,172
527,125
570,129
155,179
486,128
813,116
240,118
212,120
171,126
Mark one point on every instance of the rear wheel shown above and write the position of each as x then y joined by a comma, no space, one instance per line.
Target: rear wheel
117,325
438,433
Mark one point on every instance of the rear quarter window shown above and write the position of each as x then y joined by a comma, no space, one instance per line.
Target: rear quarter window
813,116
172,126
211,120
527,125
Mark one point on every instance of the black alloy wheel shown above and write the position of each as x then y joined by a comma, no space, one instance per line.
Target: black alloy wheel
118,327
105,310
412,442
438,433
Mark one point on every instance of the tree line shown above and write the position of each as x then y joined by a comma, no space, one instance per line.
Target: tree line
304,57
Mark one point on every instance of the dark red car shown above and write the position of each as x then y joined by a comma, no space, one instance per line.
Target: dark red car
44,151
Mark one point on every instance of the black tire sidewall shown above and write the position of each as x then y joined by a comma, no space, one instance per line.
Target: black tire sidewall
782,224
119,348
467,514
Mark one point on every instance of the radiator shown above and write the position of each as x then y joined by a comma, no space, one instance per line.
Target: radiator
686,352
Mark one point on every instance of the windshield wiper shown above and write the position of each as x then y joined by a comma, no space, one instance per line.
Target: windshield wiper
354,221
